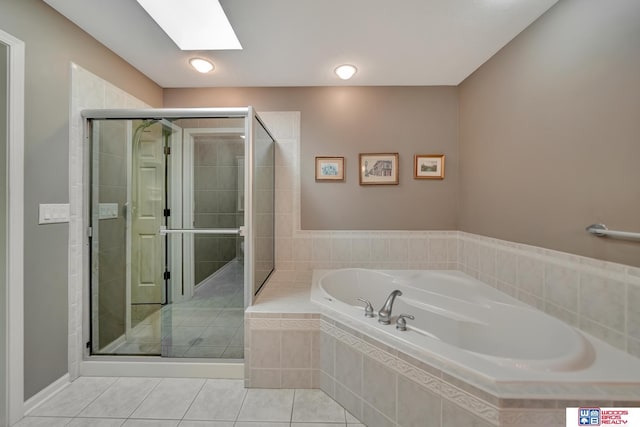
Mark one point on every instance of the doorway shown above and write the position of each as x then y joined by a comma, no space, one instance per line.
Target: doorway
12,71
173,233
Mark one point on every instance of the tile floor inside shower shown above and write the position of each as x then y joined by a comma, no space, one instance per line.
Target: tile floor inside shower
209,325
184,402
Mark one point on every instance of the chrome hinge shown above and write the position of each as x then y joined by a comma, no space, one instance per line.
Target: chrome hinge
89,232
167,151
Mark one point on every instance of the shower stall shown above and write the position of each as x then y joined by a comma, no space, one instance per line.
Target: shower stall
181,226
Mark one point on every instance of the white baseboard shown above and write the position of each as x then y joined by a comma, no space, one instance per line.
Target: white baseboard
45,394
152,367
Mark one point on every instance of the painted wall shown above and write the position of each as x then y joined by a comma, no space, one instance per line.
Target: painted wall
550,133
51,43
346,121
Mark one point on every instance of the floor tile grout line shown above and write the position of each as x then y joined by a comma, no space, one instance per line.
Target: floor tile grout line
94,399
194,399
145,397
244,399
293,404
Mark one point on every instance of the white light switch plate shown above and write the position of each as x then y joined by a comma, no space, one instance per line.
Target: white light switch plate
53,213
108,211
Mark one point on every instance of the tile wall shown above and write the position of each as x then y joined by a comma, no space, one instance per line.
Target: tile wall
600,298
87,91
282,350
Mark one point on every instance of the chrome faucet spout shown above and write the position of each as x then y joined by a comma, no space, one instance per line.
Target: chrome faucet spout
384,314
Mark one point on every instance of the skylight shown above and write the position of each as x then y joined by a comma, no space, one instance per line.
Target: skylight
193,24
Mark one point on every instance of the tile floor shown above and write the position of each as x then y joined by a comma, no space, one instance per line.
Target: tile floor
192,402
209,325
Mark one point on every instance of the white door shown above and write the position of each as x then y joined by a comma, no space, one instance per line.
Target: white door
147,216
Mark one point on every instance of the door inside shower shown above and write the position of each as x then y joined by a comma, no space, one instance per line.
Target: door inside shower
176,213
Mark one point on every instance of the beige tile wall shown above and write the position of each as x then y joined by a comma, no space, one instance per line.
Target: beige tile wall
600,298
282,350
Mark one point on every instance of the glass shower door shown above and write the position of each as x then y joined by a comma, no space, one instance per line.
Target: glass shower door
128,208
171,269
167,210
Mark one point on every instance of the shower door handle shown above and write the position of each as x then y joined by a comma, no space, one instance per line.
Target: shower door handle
164,231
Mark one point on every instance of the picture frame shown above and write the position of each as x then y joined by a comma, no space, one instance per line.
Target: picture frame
379,168
428,166
329,168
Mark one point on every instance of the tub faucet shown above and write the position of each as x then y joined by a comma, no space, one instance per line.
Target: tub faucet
401,323
384,315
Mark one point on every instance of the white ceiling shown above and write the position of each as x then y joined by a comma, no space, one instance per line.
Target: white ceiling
300,42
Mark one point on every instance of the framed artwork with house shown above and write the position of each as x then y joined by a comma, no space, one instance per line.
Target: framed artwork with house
428,166
378,169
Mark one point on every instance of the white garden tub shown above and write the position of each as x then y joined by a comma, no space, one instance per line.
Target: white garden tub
463,322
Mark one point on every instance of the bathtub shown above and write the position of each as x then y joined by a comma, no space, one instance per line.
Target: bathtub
463,323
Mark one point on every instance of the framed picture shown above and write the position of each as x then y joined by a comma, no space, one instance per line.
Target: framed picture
378,168
429,166
329,168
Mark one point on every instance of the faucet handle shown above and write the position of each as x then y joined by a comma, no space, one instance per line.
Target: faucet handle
368,309
401,324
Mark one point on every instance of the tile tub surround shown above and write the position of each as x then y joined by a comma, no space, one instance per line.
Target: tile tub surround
381,385
386,386
282,350
597,297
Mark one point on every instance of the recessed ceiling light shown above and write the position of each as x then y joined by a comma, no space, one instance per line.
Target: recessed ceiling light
201,65
193,24
346,71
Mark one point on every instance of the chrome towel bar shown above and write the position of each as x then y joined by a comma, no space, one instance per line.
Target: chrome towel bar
601,230
165,231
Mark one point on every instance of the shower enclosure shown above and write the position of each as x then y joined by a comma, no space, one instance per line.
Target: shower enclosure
181,229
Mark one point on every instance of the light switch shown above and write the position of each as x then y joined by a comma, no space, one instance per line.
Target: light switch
107,211
53,213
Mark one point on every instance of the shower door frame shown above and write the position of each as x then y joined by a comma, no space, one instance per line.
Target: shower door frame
97,365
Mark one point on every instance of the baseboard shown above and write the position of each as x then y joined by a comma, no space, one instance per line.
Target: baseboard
46,393
153,367
216,273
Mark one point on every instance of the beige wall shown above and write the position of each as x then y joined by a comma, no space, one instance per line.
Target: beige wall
345,121
52,43
550,133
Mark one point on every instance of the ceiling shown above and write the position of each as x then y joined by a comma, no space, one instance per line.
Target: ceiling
300,42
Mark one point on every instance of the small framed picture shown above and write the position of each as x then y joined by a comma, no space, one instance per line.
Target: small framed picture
329,168
429,166
378,168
